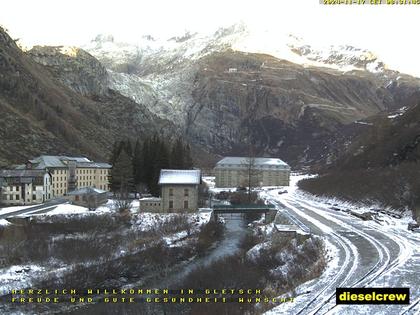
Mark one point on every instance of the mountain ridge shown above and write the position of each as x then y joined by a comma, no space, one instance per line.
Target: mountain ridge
40,114
186,77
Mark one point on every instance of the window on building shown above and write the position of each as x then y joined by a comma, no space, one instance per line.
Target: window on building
17,188
33,197
171,204
185,204
171,191
17,197
186,192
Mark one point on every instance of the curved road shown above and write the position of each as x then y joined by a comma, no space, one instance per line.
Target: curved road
361,254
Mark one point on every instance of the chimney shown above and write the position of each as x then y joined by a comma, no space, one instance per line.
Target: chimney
72,175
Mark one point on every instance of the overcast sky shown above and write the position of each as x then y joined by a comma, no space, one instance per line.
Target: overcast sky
389,31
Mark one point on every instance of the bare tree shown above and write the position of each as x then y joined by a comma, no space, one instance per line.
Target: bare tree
251,174
122,200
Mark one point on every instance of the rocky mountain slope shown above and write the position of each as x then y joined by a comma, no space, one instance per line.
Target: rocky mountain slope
380,163
56,101
220,90
224,92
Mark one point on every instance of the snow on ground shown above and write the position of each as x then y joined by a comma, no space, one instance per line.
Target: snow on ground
174,239
146,221
398,113
255,252
219,190
18,276
66,209
4,222
204,216
13,209
311,287
70,209
384,222
209,180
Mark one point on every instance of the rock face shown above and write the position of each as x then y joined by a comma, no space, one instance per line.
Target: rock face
380,164
41,113
284,107
223,98
74,67
212,89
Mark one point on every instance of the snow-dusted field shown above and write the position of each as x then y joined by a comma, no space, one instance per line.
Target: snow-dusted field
24,275
374,253
65,209
8,210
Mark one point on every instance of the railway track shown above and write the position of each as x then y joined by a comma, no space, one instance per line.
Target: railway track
412,308
387,260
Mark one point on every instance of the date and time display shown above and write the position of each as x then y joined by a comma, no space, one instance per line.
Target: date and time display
370,2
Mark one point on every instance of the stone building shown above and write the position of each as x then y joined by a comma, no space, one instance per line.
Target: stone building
150,204
179,190
24,187
70,173
88,197
236,172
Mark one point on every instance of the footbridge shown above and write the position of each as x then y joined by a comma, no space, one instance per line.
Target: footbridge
250,208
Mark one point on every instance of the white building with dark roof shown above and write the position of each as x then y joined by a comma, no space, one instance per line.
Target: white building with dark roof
24,187
179,190
234,172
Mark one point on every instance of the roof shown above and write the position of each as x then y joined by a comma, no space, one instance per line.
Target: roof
86,190
258,161
58,161
156,199
286,227
22,173
192,177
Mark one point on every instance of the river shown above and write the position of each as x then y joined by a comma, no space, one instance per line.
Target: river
236,230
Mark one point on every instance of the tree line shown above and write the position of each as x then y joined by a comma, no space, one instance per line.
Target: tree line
136,168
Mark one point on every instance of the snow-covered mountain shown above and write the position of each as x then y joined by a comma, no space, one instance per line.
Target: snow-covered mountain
238,37
216,85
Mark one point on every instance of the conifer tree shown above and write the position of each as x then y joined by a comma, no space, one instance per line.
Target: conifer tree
177,154
122,173
137,162
188,161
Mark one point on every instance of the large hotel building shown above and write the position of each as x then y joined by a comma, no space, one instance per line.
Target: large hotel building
48,176
236,171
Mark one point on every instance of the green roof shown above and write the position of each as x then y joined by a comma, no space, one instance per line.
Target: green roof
244,206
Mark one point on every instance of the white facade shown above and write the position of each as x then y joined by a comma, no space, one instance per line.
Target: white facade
25,187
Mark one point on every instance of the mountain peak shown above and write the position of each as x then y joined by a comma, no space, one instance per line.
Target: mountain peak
103,38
